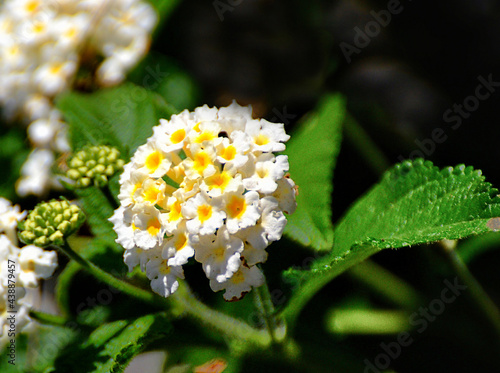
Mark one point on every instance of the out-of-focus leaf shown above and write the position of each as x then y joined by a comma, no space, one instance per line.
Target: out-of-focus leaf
312,152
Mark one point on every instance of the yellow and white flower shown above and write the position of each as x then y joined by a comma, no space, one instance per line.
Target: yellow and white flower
219,254
206,184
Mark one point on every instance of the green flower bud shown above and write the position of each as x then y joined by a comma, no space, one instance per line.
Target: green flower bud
49,223
94,165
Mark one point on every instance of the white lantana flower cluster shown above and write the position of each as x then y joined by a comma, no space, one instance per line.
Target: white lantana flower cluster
43,43
20,270
206,184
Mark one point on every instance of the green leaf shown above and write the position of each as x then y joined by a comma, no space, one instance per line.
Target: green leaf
312,152
414,203
112,346
122,117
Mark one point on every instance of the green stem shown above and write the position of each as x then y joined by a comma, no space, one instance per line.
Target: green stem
265,306
47,318
366,147
483,301
385,283
125,287
225,324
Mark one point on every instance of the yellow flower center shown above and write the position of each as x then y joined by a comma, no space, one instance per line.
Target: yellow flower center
262,172
32,6
229,153
180,242
261,139
238,277
154,226
29,266
219,253
205,136
153,161
175,211
201,161
204,212
219,180
236,207
153,195
164,268
178,136
56,68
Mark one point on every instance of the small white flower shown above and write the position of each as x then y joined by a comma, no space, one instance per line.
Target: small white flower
136,256
242,210
43,132
233,153
268,170
151,192
253,255
240,283
219,254
286,195
204,214
163,277
149,228
178,248
36,177
267,136
122,225
269,228
151,160
201,164
52,77
35,264
172,135
9,217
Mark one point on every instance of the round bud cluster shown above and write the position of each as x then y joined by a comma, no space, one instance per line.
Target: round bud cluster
50,223
206,185
95,163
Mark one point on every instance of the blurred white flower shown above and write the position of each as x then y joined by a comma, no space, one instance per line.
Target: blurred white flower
19,268
42,45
